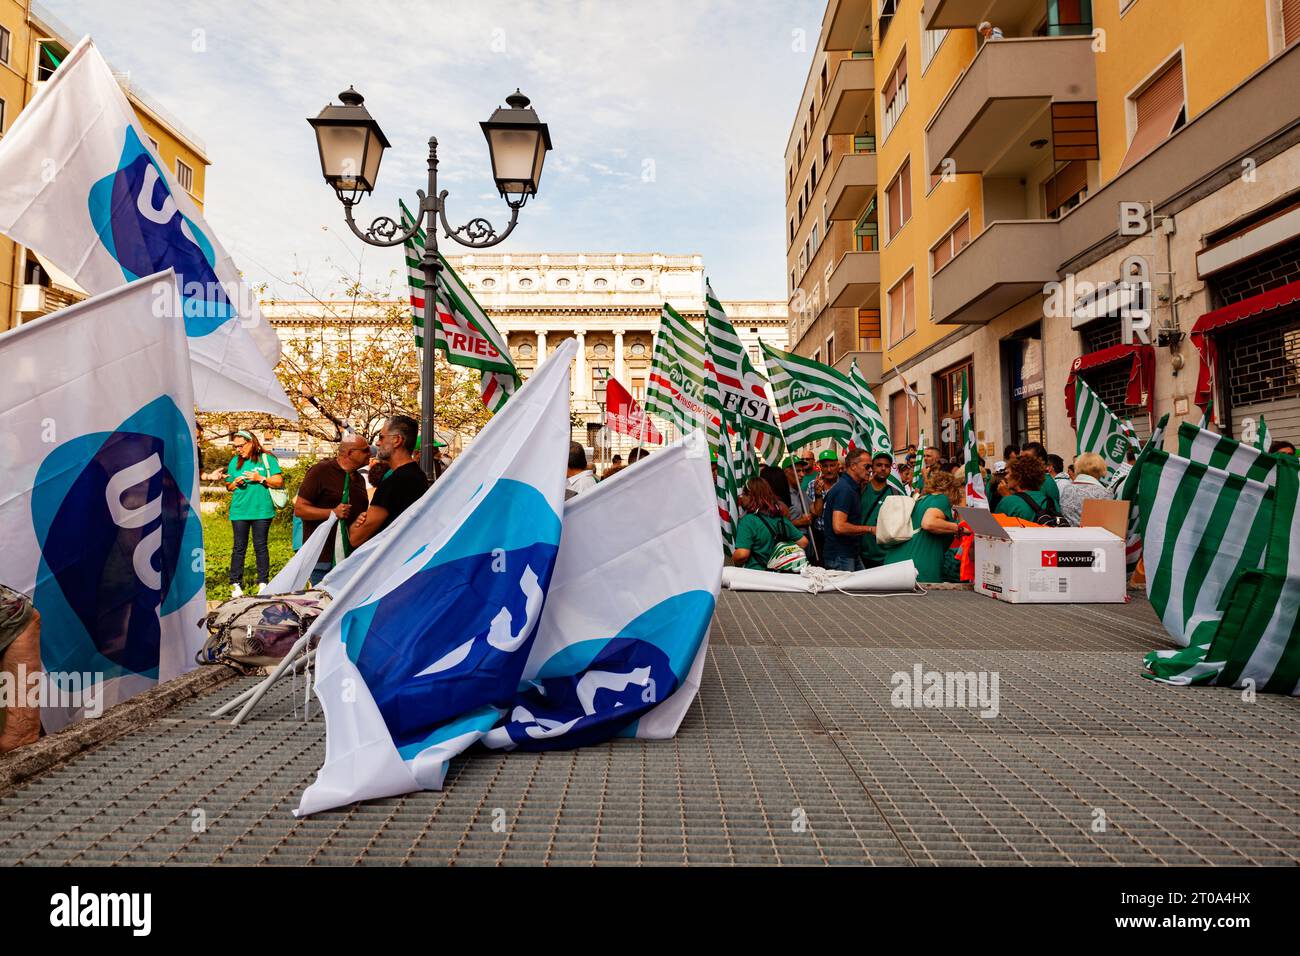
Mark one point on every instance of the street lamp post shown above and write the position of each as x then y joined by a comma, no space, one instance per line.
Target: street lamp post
351,145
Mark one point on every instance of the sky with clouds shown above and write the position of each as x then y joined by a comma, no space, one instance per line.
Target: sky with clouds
669,119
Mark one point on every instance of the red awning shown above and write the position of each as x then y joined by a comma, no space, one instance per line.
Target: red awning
1212,322
1141,376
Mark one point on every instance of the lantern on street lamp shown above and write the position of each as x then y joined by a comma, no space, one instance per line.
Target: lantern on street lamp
517,142
351,144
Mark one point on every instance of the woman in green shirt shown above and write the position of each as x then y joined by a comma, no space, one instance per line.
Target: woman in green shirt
764,525
932,527
249,477
1026,475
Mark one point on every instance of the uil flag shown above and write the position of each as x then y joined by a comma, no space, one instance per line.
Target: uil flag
621,644
80,185
430,628
624,415
99,509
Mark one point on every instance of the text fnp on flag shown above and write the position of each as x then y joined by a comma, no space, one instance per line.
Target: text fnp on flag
99,489
79,184
425,642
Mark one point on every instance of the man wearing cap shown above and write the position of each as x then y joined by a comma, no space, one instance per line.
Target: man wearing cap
874,493
815,491
334,487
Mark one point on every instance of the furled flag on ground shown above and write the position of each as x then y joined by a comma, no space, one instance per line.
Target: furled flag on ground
975,495
100,492
811,405
1097,429
1222,551
623,414
621,644
79,185
464,331
675,387
744,395
429,630
296,573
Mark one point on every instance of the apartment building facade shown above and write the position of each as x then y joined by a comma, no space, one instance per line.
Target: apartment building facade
32,44
1005,167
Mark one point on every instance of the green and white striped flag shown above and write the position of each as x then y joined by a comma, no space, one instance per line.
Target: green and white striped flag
918,466
1223,568
1210,448
1207,416
1098,429
744,393
976,497
812,406
872,429
1261,435
464,332
726,485
1128,489
675,389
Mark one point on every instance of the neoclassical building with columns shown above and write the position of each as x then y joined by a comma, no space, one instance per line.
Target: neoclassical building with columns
609,302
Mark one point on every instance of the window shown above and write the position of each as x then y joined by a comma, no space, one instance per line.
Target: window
950,245
930,40
638,389
792,230
525,283
866,234
153,144
489,283
562,283
5,39
1158,109
2,116
948,401
638,283
1066,189
893,99
600,283
864,144
814,240
1068,18
869,330
904,421
794,280
826,149
755,356
902,303
1290,22
830,349
898,198
184,176
48,57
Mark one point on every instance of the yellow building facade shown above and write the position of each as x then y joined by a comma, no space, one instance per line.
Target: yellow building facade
32,44
1006,135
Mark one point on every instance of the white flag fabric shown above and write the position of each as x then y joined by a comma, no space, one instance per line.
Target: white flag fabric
622,641
79,184
99,493
891,577
435,621
294,575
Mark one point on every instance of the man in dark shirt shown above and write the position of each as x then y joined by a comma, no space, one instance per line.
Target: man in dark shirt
843,510
401,487
333,486
874,493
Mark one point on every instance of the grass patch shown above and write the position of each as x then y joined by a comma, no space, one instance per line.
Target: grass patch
218,539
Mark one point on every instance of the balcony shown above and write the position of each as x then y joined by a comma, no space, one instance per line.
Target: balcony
849,96
847,25
1002,104
870,364
1005,264
1009,15
855,282
852,185
37,300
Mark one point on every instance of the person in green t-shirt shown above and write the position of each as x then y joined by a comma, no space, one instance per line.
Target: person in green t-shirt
1049,487
874,493
762,527
1026,478
932,526
249,477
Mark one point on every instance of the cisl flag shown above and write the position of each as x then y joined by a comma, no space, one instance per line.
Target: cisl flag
432,621
99,492
624,415
79,184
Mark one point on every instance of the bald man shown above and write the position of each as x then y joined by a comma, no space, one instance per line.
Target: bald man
334,486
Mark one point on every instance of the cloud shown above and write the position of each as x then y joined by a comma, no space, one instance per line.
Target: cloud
669,119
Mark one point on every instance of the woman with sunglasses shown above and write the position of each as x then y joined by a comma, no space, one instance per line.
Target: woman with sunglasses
251,474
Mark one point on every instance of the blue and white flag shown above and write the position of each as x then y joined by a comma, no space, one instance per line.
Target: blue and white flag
80,185
425,643
99,493
622,641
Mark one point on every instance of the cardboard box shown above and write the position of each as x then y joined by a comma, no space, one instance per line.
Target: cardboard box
1047,565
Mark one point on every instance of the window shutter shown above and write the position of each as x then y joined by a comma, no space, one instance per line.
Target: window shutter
909,306
895,209
896,307
1290,21
1158,107
905,184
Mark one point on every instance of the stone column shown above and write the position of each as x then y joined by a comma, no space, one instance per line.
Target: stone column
541,345
581,380
618,357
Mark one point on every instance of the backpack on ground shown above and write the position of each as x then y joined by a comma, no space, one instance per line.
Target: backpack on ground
1044,514
258,631
894,522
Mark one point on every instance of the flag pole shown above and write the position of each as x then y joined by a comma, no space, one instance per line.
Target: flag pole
798,485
